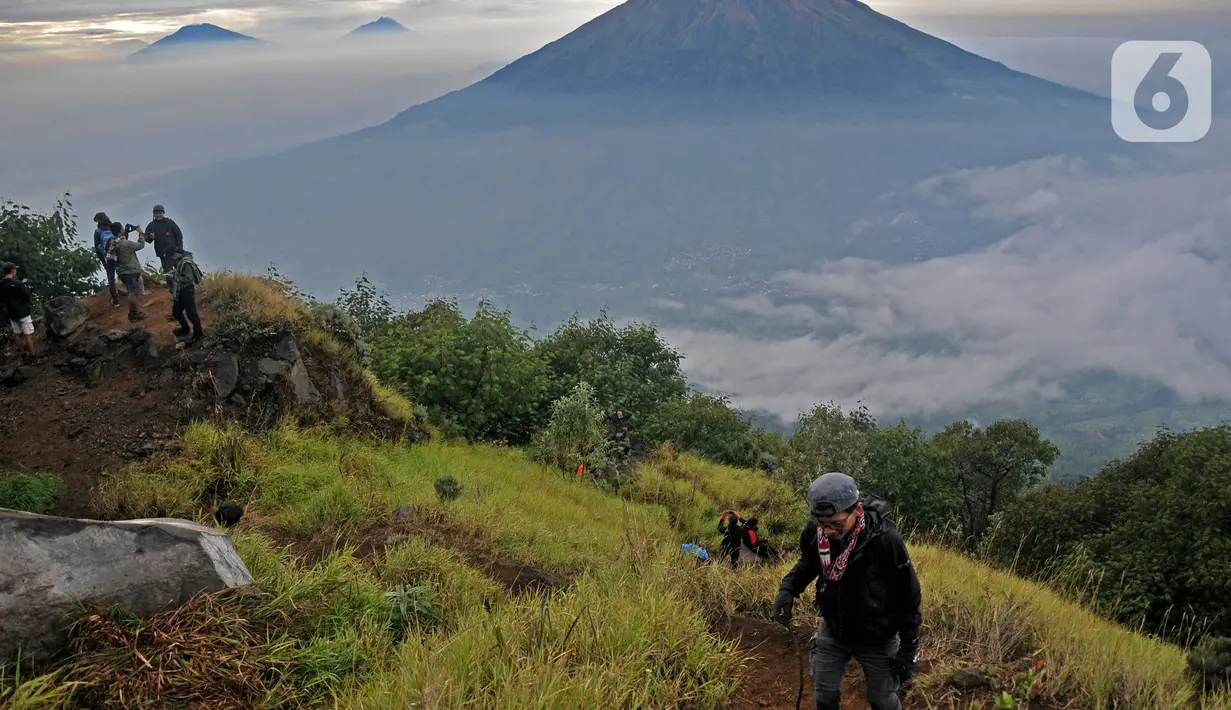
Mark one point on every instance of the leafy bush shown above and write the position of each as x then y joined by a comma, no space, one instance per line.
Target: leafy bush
368,308
447,488
1154,527
576,435
334,320
478,378
28,492
45,248
630,367
708,426
1210,662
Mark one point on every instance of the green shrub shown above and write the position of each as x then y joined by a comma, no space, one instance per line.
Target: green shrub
413,608
447,488
28,492
576,434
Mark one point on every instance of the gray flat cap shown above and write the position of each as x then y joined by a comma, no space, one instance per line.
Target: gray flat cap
831,494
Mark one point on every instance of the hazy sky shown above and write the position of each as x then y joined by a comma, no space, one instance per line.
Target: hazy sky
81,27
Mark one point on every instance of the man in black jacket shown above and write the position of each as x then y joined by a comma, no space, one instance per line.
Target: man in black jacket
15,302
867,591
167,239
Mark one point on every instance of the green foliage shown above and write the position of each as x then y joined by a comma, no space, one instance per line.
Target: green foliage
478,378
251,308
1210,662
413,609
339,323
828,439
45,248
630,367
447,488
28,492
708,426
1153,527
368,308
575,435
993,467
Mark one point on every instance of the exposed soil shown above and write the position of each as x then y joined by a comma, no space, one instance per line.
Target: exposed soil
56,422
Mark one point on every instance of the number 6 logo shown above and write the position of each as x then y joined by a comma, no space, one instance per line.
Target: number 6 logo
1162,92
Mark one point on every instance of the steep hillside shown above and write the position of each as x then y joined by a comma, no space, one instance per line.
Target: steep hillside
520,588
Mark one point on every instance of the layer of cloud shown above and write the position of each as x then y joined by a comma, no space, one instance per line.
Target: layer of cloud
1128,272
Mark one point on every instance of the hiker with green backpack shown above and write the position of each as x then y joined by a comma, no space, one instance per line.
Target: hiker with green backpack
184,277
867,592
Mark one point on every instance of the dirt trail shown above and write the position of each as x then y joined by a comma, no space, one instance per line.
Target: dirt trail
55,422
771,673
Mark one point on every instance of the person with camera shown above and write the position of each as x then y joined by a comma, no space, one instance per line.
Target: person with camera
128,265
867,592
167,238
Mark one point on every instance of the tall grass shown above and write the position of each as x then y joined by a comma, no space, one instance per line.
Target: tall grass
616,639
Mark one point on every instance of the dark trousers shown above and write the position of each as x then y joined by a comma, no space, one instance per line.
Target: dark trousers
110,269
186,305
829,659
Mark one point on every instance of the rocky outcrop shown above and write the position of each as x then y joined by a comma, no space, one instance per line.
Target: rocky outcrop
65,315
94,358
144,566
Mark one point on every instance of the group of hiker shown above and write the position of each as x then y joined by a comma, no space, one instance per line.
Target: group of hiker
118,256
867,591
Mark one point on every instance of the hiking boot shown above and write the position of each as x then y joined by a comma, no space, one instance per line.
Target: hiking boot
115,303
180,332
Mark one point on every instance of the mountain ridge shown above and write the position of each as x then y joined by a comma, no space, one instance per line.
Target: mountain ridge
198,36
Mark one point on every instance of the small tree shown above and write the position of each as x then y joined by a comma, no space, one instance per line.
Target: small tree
46,251
369,307
576,434
992,467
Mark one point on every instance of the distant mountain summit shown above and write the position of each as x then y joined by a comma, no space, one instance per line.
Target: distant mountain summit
200,36
674,47
385,26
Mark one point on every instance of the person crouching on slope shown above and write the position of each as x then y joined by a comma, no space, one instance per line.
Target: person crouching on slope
867,591
128,268
185,277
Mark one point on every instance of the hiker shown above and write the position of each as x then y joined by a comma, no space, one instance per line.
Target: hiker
618,420
102,233
867,591
730,526
128,268
15,301
167,237
185,277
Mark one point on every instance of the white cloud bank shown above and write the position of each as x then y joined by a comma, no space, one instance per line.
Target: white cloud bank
1127,272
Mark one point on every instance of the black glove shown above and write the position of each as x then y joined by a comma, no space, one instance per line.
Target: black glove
783,607
905,663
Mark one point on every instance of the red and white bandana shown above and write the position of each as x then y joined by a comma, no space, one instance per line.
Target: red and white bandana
833,572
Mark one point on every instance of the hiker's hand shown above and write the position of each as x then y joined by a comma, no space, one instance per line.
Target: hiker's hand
783,607
904,665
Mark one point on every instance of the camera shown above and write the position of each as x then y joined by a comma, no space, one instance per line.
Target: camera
130,228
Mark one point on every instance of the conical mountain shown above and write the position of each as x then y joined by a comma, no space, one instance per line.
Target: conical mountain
383,26
201,36
762,46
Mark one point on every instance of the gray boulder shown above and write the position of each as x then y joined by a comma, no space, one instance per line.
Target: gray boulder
225,369
65,315
271,367
145,566
287,349
301,384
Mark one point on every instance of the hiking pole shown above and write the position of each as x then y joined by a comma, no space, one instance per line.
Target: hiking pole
799,655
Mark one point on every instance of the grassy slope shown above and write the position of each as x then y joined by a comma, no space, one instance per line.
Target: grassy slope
629,629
